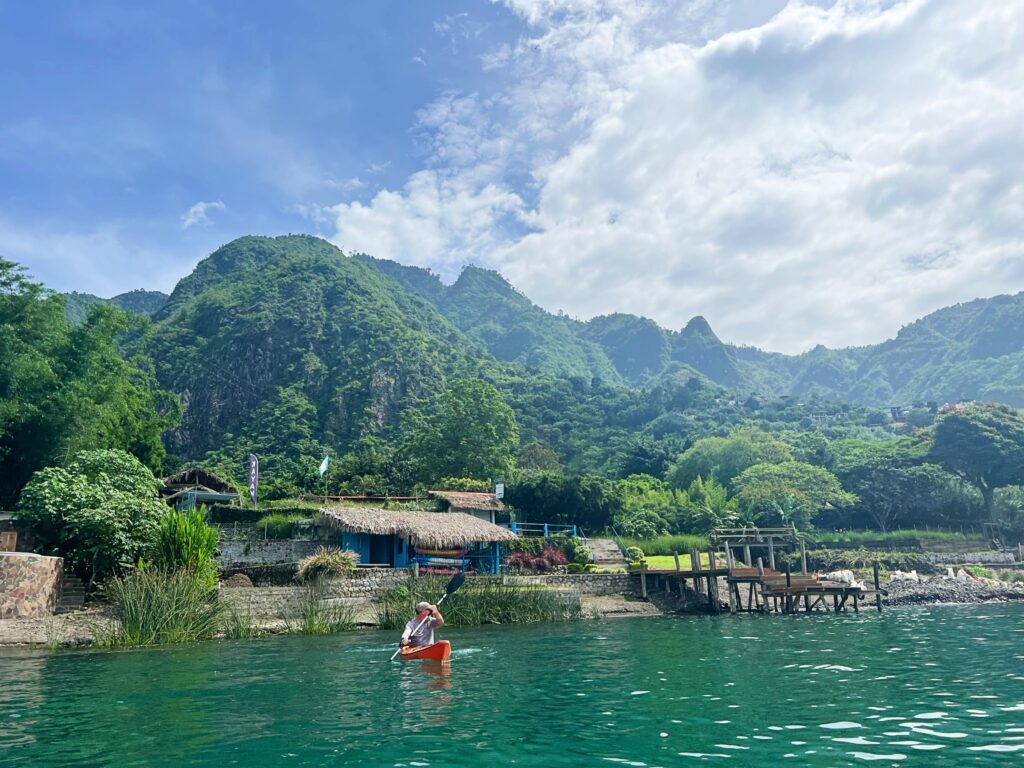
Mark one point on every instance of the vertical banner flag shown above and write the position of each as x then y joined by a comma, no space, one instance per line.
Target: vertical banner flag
254,476
323,465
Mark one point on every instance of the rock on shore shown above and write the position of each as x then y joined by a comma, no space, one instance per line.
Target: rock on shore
946,590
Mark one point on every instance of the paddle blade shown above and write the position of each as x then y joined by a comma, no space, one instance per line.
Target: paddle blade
457,581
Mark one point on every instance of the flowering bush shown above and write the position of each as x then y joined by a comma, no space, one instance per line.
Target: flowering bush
555,557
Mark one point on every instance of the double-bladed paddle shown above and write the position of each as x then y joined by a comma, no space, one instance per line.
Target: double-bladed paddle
457,581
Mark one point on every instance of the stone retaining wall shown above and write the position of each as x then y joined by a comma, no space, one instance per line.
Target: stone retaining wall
239,553
271,603
582,583
979,558
30,585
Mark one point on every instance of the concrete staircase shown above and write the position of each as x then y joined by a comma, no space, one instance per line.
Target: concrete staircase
72,596
606,553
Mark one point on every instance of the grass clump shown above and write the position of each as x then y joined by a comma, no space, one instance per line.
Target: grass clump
153,607
481,600
978,572
281,525
236,625
317,617
327,561
669,544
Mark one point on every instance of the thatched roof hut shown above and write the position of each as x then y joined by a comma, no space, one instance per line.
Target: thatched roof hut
196,478
431,529
457,500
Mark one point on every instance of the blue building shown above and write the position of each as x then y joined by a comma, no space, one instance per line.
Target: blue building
400,538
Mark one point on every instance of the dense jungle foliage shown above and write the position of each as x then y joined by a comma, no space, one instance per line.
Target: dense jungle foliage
287,348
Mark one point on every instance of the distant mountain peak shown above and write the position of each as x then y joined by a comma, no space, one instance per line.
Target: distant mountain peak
699,326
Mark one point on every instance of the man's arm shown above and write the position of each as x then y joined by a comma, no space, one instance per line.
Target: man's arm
438,618
405,635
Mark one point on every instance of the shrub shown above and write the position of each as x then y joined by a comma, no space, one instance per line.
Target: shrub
635,556
576,568
327,561
154,607
186,542
519,561
555,557
591,568
100,513
1014,577
236,625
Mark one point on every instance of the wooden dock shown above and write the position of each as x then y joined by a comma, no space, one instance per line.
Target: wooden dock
753,588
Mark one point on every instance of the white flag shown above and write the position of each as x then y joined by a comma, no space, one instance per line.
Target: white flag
323,465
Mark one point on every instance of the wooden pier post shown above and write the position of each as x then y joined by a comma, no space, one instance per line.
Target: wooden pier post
676,556
643,581
712,580
760,575
695,569
803,557
771,553
878,588
746,555
789,585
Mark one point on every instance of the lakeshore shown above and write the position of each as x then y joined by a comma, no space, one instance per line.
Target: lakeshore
78,629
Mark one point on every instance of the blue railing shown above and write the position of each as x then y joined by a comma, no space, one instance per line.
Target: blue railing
542,529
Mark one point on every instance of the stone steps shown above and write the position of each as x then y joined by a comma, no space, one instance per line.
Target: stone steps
72,596
606,553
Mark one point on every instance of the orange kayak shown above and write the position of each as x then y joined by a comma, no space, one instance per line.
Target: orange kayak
439,651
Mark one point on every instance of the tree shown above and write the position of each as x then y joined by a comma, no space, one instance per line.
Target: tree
789,493
588,501
727,457
649,507
64,389
98,513
466,431
710,506
984,445
535,456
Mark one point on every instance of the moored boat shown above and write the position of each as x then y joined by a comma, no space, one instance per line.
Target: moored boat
439,651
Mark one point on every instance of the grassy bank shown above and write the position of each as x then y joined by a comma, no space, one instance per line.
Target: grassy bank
481,600
668,544
855,537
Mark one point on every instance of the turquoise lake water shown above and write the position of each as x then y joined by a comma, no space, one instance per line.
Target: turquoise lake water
938,686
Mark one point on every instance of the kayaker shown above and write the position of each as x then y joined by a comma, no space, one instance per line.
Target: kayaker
427,619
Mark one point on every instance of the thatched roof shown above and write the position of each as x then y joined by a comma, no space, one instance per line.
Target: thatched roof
433,529
199,479
469,500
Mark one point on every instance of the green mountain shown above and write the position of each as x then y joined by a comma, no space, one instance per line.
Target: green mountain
138,301
287,333
288,345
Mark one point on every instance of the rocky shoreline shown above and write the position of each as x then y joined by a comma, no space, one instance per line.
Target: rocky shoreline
941,589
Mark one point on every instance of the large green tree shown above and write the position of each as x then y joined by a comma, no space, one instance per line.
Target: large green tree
98,513
984,445
588,501
727,457
65,389
468,430
790,493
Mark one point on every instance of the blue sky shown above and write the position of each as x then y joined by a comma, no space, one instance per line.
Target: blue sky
797,172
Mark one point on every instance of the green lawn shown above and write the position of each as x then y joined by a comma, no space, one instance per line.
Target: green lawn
662,562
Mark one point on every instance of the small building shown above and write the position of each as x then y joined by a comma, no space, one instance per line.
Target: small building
485,506
193,486
399,538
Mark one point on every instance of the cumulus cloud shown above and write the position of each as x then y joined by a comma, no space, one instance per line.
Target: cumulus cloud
198,213
824,175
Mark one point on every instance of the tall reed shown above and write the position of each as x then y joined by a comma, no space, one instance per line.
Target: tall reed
187,542
482,600
669,544
153,607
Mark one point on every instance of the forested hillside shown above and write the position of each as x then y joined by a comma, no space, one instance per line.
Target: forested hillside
290,349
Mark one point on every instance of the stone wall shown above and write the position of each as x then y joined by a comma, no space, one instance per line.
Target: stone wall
978,558
272,603
30,585
583,583
239,553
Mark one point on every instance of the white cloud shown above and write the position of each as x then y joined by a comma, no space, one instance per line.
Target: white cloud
825,175
197,214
